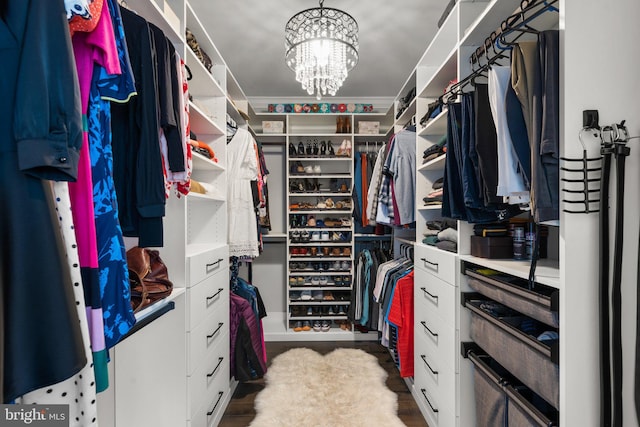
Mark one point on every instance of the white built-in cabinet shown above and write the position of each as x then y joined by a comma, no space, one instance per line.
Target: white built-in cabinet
176,370
443,382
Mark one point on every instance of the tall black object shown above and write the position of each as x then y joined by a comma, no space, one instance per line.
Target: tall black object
614,139
605,337
621,152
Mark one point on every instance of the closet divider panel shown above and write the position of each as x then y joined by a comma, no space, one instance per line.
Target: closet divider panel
579,249
195,231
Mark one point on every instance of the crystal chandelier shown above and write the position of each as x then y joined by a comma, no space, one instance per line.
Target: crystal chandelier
321,48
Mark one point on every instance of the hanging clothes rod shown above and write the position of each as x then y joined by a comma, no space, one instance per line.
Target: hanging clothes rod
517,22
496,45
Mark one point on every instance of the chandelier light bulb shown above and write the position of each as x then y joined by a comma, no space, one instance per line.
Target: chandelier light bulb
321,48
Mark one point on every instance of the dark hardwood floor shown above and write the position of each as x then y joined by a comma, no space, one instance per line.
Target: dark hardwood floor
240,411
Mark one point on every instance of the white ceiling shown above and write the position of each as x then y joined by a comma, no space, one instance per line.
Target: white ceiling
250,36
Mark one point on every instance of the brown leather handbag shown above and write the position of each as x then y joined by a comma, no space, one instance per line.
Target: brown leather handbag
148,277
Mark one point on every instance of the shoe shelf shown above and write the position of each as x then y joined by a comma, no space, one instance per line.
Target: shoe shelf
319,316
314,302
320,273
320,179
322,243
329,229
319,194
320,211
320,158
320,175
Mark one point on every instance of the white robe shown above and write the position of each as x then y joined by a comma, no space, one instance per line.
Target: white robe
242,168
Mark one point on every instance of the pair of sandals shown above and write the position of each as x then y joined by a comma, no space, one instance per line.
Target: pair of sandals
305,186
338,252
345,148
338,236
335,222
326,204
316,149
338,187
299,169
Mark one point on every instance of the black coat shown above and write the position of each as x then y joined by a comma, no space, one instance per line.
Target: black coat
40,139
137,161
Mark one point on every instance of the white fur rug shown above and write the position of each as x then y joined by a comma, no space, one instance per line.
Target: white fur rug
345,388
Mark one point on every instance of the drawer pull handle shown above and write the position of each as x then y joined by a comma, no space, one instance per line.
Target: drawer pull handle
435,297
212,373
424,325
215,295
434,265
427,399
216,331
220,394
210,266
424,359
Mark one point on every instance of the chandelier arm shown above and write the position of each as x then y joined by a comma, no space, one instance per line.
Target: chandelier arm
349,45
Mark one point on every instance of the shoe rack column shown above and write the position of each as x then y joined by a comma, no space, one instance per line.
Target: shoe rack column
319,226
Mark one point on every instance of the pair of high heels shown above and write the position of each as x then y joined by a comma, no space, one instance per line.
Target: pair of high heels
345,148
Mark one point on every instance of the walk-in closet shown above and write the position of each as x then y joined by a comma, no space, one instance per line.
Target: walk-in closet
325,212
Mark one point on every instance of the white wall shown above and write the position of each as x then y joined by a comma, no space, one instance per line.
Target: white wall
601,51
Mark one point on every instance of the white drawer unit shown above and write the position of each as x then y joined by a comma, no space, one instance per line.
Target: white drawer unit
207,263
205,337
440,263
433,294
210,380
436,377
435,416
439,338
210,415
211,295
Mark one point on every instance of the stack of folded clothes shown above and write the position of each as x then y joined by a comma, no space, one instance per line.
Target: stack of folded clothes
435,151
433,110
435,196
442,234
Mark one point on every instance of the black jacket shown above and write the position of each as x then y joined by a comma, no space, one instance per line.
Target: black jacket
137,161
47,118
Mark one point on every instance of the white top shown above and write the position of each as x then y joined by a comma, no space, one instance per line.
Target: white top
510,182
242,169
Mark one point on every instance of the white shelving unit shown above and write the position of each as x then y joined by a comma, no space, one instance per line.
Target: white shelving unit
197,363
331,262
